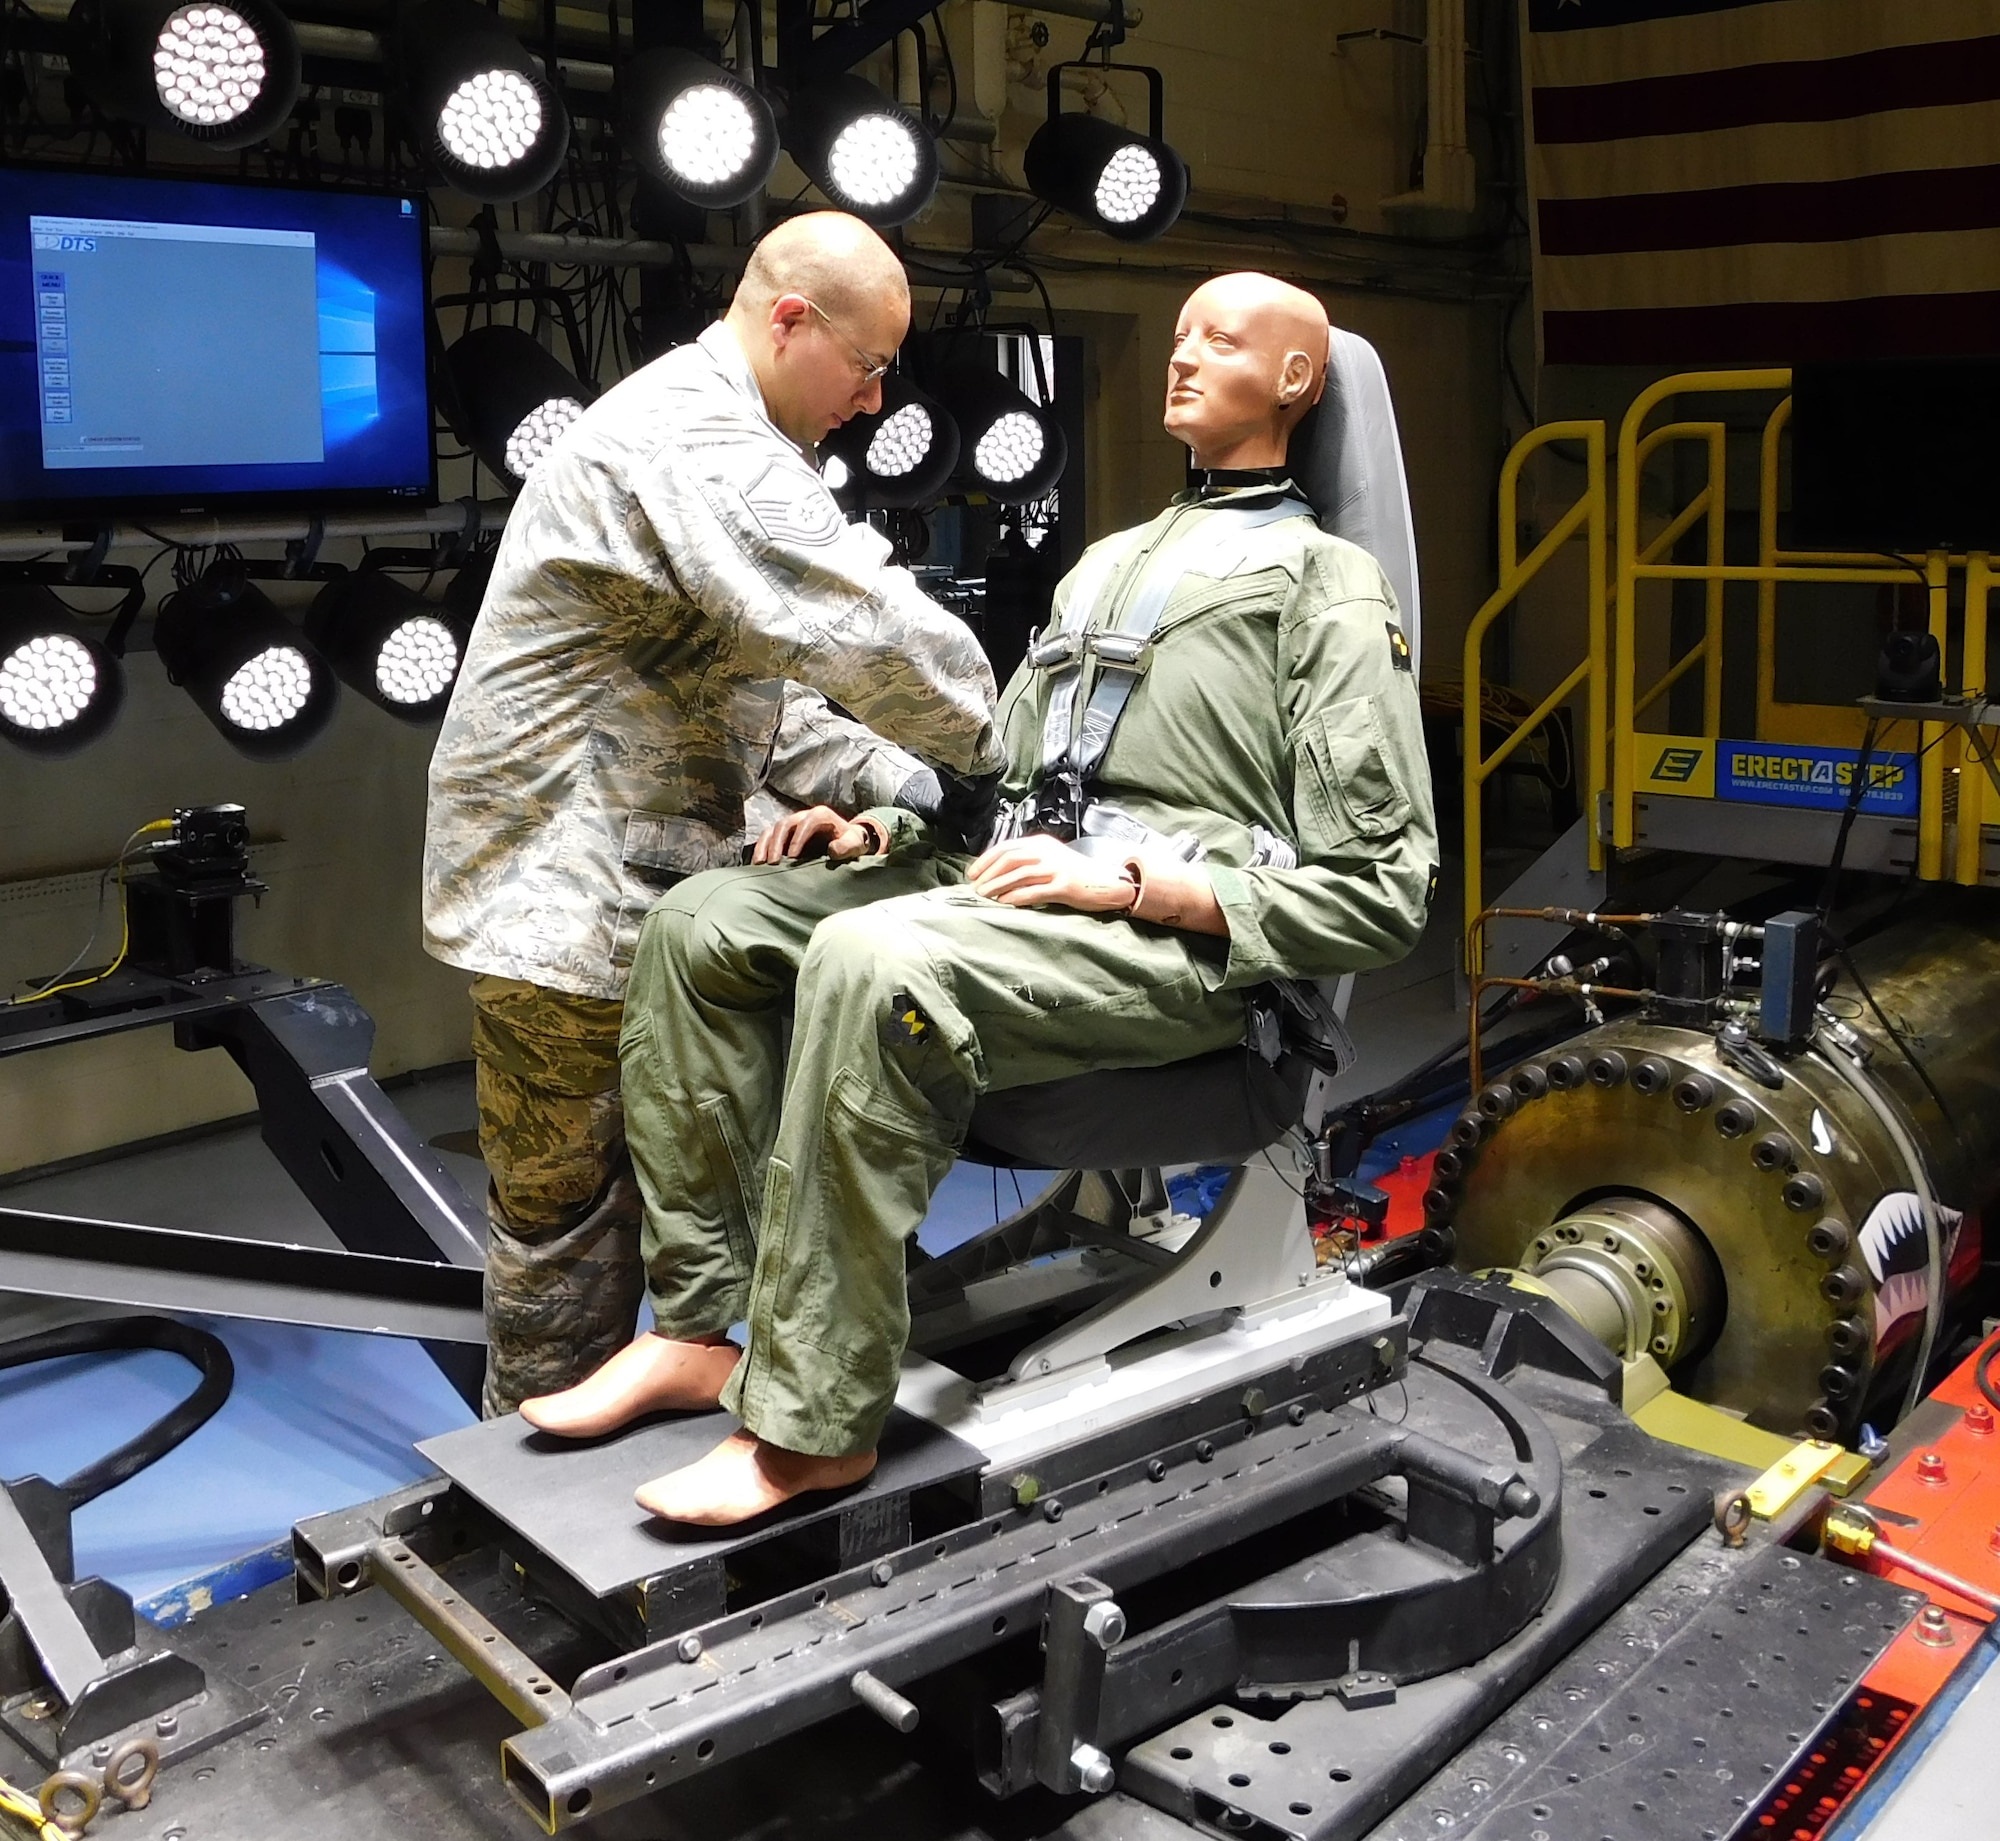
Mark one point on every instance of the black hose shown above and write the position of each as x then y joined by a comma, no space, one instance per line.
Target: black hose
206,1352
1983,1374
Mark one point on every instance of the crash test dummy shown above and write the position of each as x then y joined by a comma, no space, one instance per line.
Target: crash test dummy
1260,809
674,589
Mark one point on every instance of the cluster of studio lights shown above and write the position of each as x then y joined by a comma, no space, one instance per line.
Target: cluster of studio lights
268,686
489,118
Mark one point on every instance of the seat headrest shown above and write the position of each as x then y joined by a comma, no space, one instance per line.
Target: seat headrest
1348,461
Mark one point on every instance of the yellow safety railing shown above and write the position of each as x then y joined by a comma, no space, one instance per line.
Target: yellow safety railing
1609,757
1585,516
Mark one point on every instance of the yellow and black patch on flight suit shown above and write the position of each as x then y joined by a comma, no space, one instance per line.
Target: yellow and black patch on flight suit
907,1022
1399,647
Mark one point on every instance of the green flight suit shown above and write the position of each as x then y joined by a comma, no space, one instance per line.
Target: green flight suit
1276,703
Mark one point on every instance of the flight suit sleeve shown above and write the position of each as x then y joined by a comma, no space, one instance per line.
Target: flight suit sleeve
1361,792
754,540
820,757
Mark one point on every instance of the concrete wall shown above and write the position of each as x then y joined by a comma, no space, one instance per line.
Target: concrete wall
1276,121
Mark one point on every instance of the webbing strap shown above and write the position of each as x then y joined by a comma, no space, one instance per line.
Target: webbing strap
1123,669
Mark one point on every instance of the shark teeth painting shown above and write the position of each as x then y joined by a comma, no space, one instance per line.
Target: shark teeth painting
1892,1244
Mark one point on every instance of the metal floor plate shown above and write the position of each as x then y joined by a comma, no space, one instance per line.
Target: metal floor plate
572,1500
1666,1726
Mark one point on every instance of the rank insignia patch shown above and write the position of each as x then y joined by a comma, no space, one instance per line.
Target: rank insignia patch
1399,647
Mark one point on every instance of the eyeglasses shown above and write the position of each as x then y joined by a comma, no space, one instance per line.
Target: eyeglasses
870,368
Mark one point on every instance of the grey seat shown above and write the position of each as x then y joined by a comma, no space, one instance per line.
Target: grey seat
1225,1107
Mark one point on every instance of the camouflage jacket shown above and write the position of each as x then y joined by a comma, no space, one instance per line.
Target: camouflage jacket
670,565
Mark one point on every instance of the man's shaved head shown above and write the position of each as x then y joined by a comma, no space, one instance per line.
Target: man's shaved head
829,257
1249,360
819,313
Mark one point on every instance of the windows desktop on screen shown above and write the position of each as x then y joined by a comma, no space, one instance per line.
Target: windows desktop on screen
166,342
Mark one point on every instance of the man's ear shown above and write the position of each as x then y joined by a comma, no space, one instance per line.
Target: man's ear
788,315
1295,379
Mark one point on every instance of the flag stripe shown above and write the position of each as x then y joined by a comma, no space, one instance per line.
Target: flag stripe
1790,332
1772,33
1821,89
1923,262
1774,153
1879,204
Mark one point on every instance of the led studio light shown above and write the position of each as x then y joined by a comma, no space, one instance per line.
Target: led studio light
869,155
697,128
480,110
1130,186
224,74
514,398
897,459
1011,448
263,685
386,641
59,687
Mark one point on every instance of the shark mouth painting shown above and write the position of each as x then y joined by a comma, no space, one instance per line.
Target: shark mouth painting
1892,1244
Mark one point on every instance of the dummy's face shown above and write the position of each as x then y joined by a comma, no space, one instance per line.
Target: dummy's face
1224,377
822,363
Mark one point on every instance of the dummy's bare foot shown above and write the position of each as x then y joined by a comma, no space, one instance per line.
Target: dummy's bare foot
742,1477
653,1374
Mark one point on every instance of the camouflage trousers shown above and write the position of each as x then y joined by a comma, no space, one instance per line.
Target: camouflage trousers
563,1278
782,1178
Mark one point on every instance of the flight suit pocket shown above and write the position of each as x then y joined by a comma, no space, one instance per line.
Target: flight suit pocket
1348,790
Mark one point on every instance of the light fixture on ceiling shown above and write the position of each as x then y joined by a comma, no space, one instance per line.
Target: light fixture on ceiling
897,459
480,109
60,686
225,75
385,641
252,674
513,398
869,155
1010,447
697,128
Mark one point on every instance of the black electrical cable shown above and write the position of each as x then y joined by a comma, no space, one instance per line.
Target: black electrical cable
206,1352
1982,1375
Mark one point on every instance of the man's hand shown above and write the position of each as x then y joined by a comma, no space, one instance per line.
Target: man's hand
1040,872
817,828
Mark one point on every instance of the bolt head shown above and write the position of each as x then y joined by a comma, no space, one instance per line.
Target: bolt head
1052,1510
1026,1489
167,1725
1979,1419
1930,1467
1934,1628
881,1572
689,1648
1093,1769
1104,1624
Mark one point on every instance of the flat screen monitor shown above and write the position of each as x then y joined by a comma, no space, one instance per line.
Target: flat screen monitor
185,345
1899,455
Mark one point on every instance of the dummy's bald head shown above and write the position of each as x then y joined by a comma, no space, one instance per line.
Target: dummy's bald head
829,257
1249,360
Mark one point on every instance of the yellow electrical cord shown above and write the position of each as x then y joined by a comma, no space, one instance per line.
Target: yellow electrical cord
124,922
25,1809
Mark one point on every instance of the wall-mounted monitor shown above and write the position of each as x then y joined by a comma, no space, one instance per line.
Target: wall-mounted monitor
182,345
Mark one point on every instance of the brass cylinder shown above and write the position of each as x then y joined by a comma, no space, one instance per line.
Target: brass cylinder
1766,1193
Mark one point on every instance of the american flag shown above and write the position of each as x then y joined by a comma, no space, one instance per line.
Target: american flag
1764,181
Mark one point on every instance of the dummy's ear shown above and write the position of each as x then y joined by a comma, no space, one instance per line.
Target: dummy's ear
1295,379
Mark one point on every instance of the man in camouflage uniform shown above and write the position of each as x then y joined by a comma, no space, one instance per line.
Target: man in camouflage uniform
674,590
1215,757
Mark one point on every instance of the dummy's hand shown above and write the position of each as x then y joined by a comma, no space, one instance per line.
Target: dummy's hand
1040,872
817,828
